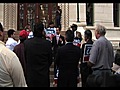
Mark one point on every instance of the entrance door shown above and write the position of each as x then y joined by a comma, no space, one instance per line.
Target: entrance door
31,13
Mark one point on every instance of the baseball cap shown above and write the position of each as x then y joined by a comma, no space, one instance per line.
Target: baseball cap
23,34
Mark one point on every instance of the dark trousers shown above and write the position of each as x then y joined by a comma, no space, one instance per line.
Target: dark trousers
100,78
85,72
58,21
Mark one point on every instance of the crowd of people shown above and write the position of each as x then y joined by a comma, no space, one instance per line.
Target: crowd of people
26,63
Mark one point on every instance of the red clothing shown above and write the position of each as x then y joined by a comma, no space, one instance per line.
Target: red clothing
19,50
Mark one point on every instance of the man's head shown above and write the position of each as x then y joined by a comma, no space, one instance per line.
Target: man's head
11,33
38,30
100,31
58,30
51,24
74,27
69,36
87,35
58,7
1,33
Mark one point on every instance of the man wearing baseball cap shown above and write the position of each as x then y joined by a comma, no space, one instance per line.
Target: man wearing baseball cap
19,49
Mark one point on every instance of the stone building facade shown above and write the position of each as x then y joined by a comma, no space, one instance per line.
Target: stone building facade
103,13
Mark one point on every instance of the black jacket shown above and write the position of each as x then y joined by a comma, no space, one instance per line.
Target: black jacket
60,43
67,60
38,52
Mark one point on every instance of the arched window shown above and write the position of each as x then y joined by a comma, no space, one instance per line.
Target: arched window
89,14
31,13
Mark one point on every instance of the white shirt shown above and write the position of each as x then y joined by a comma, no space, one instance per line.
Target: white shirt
57,37
11,43
11,72
75,33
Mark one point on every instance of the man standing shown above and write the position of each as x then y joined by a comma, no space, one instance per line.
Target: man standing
50,31
11,42
11,72
86,47
101,56
74,29
38,62
19,49
58,16
67,60
57,42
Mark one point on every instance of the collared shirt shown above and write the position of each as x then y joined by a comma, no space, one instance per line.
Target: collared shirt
57,37
101,54
11,72
68,42
11,43
75,33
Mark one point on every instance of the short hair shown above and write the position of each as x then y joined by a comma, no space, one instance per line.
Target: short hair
1,27
101,29
69,36
38,29
74,26
88,33
10,32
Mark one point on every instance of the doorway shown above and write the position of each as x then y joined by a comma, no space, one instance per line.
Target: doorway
31,13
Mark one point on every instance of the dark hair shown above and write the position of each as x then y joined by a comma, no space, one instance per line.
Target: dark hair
10,32
69,36
38,30
88,34
59,28
74,26
1,27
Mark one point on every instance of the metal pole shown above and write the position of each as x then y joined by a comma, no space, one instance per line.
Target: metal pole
78,12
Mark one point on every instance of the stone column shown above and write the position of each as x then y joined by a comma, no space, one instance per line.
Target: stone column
65,15
73,14
82,13
69,14
119,14
10,16
1,13
103,14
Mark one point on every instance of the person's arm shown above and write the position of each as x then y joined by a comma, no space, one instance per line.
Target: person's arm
16,73
89,64
93,54
14,43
